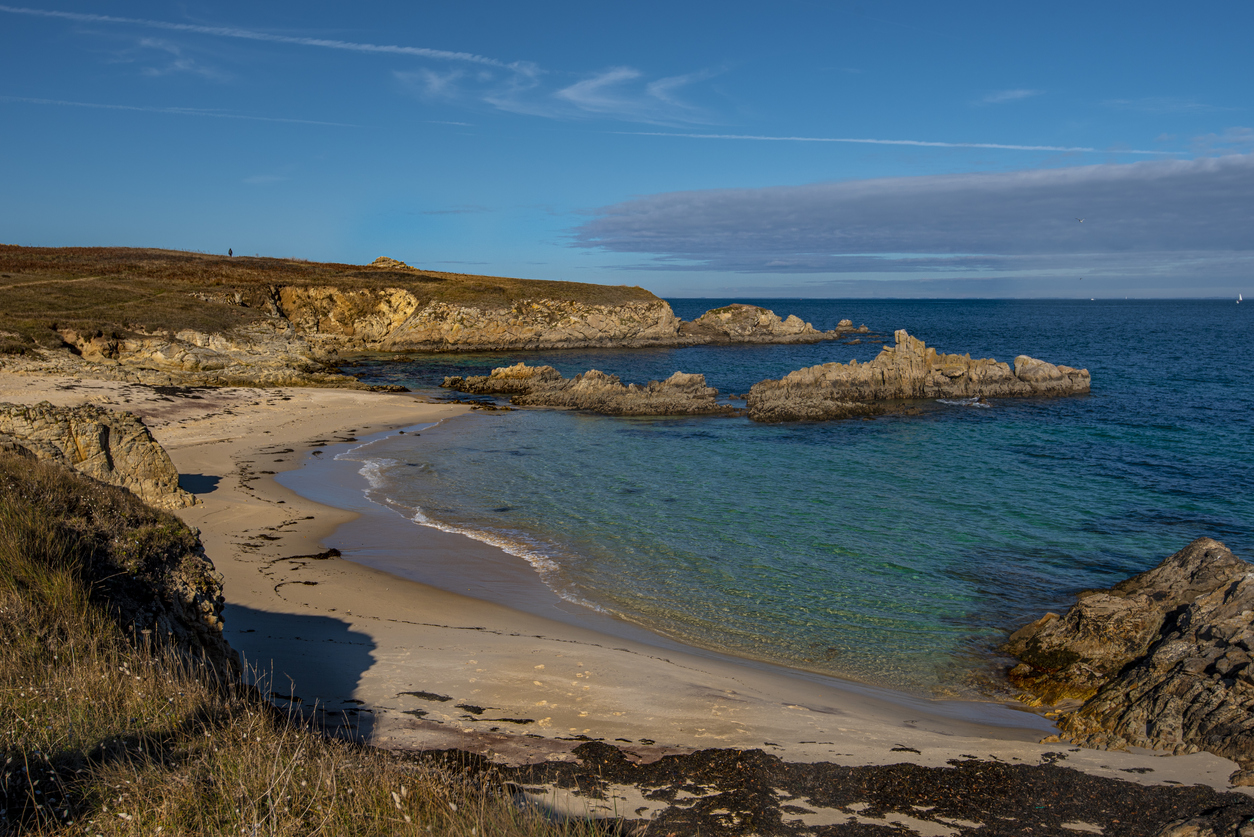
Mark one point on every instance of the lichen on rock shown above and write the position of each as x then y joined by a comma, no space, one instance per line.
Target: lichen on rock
113,447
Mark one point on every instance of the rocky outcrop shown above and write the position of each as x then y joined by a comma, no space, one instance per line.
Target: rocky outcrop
263,353
113,447
393,319
1162,660
595,391
908,370
739,323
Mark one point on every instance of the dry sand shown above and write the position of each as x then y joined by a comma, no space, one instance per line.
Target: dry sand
411,666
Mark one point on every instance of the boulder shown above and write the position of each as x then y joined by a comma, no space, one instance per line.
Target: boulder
1162,660
113,447
595,391
909,370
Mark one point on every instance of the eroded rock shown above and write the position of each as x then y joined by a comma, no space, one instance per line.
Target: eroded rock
595,391
113,447
740,323
909,370
1162,660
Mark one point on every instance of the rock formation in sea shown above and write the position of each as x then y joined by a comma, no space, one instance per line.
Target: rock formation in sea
908,370
595,391
740,323
113,447
1162,660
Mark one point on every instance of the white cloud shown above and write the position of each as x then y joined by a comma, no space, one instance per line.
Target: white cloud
1001,97
177,111
1147,217
1162,104
922,143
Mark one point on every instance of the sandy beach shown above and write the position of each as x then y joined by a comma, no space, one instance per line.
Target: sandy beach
410,666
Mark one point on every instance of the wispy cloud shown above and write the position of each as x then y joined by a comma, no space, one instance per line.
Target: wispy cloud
923,143
1232,140
216,114
513,86
1162,104
465,209
256,35
1139,218
1001,97
178,61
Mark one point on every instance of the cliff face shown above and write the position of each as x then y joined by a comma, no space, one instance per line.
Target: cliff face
391,319
115,448
595,391
909,370
1162,660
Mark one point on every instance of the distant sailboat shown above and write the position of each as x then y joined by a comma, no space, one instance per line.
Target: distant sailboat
1238,299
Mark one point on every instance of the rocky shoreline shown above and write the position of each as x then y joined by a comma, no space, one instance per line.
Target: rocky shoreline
910,370
1161,660
594,391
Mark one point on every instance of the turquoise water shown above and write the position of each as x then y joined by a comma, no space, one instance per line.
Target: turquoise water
897,551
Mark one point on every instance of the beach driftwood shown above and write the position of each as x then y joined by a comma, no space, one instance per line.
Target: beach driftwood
1162,660
908,370
595,391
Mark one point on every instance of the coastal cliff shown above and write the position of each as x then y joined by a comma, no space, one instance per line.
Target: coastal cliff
168,318
595,391
1161,660
908,370
113,447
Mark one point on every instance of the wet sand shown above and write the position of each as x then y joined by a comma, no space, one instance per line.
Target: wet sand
411,666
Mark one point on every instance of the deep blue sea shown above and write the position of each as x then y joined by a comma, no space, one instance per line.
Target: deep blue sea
897,551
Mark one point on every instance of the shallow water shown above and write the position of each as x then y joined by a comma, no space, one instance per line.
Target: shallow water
897,551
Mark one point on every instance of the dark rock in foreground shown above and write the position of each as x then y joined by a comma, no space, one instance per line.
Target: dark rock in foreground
730,793
595,391
909,370
1162,660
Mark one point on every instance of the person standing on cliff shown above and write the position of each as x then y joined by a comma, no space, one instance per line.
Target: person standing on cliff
230,252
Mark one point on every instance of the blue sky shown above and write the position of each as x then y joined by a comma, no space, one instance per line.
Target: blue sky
697,149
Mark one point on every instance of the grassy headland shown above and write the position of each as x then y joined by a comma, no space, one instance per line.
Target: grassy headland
119,291
103,732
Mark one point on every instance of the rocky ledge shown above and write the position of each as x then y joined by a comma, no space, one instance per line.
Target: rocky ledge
113,447
740,323
908,370
1162,660
595,391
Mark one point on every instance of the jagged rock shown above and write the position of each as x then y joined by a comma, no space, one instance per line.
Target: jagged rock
390,264
113,447
739,323
595,391
1162,660
908,370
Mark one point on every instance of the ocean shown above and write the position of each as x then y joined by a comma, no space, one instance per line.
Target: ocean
897,551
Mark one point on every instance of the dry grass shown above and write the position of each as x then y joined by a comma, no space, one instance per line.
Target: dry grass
102,735
124,290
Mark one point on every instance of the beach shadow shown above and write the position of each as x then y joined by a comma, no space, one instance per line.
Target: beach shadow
199,483
310,664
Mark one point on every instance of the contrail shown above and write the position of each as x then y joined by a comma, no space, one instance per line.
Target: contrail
180,111
252,35
924,143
